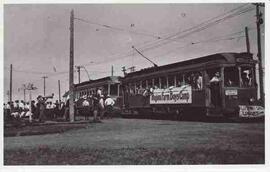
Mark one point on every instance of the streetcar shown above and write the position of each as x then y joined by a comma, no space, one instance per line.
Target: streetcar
109,86
186,88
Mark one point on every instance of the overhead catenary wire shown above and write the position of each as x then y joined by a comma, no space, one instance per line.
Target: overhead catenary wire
162,38
129,53
117,28
194,31
170,36
194,42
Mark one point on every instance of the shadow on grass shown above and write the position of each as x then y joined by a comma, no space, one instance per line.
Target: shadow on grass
39,130
43,155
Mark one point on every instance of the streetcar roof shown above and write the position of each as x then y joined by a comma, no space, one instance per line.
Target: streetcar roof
228,57
114,79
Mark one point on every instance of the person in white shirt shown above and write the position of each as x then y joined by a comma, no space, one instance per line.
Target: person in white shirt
101,106
199,81
99,92
21,105
109,103
28,113
215,89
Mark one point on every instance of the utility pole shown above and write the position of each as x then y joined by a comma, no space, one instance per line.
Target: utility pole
71,67
10,84
259,55
24,90
112,71
44,84
30,87
247,40
59,91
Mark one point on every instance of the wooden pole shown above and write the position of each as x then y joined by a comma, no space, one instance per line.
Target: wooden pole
71,68
112,71
10,84
59,91
44,85
259,55
247,40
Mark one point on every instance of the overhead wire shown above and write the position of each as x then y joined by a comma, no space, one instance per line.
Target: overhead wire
195,31
117,28
193,27
129,53
168,38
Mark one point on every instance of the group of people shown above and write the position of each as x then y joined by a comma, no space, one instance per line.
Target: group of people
95,105
44,109
34,110
18,109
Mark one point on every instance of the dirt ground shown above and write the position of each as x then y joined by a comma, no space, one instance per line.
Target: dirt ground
141,141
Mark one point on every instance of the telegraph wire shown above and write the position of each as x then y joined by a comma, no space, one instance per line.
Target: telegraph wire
161,38
208,40
117,28
195,31
227,37
192,32
191,28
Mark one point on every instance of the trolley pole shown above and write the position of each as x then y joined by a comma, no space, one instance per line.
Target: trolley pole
259,55
71,68
10,84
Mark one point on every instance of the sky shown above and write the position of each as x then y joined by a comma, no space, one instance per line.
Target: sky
36,39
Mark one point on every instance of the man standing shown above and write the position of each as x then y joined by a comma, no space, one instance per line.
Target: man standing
42,106
215,89
109,102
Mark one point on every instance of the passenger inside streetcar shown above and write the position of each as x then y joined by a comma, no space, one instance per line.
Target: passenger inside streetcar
246,76
231,77
215,89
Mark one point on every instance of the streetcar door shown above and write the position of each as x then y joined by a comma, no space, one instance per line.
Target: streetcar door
214,88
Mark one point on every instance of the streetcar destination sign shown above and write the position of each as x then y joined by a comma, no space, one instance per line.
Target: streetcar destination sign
175,95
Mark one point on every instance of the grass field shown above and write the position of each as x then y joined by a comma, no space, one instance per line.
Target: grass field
139,141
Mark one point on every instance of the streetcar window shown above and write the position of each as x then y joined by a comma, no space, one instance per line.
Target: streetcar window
171,80
190,79
113,90
231,77
199,80
156,82
131,89
246,77
163,81
144,84
180,80
150,83
137,87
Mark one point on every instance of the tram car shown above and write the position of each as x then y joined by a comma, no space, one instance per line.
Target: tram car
217,85
108,85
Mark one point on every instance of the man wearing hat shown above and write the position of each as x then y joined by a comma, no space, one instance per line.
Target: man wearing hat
42,106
